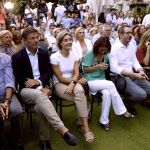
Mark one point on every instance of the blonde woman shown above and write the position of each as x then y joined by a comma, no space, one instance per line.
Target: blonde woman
81,45
17,40
90,19
66,72
93,32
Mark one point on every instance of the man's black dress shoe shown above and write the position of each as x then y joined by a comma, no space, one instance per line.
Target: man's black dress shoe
45,145
70,139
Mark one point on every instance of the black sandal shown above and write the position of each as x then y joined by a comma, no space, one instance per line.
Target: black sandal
106,127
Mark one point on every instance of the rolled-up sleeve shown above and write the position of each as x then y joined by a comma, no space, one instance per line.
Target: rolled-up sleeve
8,73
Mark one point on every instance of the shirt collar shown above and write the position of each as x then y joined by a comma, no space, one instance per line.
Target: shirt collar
121,45
29,53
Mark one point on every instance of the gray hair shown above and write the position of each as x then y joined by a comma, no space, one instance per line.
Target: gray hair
4,32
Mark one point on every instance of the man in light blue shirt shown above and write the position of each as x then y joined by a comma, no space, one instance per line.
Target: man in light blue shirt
9,104
129,19
66,21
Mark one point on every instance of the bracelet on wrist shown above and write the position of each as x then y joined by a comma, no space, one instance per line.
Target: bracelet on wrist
74,82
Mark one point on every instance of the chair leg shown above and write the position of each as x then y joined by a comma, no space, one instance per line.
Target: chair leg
60,106
31,121
56,102
91,111
99,100
27,111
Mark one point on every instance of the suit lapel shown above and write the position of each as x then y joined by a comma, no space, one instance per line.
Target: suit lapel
27,63
40,60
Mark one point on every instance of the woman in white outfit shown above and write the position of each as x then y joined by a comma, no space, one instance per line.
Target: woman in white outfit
94,66
67,86
81,45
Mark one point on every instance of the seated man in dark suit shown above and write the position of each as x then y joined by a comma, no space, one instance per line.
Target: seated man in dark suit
32,71
10,108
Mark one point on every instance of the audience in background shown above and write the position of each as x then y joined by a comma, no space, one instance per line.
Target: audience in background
79,31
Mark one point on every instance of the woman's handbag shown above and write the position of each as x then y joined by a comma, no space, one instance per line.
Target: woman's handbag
119,81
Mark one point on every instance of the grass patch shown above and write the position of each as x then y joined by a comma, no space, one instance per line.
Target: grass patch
125,134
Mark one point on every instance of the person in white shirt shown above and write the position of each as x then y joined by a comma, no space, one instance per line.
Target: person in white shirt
146,20
81,12
132,42
65,65
59,12
29,15
98,35
92,32
51,38
106,32
111,18
120,19
86,12
123,61
129,19
48,20
87,30
81,45
66,21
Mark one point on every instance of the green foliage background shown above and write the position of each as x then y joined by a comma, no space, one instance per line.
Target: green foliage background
141,13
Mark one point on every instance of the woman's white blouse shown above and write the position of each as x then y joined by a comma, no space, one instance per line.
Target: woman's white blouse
66,64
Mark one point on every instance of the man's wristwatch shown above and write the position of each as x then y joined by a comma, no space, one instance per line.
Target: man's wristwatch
39,87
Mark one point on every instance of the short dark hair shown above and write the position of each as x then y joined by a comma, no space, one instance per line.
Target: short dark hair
102,41
27,31
121,29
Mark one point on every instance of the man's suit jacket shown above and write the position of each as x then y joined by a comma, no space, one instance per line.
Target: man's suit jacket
22,67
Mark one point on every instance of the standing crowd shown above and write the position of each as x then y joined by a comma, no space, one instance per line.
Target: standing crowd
69,47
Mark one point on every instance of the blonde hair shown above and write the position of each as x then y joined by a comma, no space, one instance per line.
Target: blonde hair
77,31
4,32
55,30
93,29
144,39
60,37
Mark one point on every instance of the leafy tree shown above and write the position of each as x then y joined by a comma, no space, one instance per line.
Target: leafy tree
141,12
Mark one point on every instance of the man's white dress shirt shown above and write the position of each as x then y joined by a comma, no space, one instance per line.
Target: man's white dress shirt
123,58
146,20
59,12
129,21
